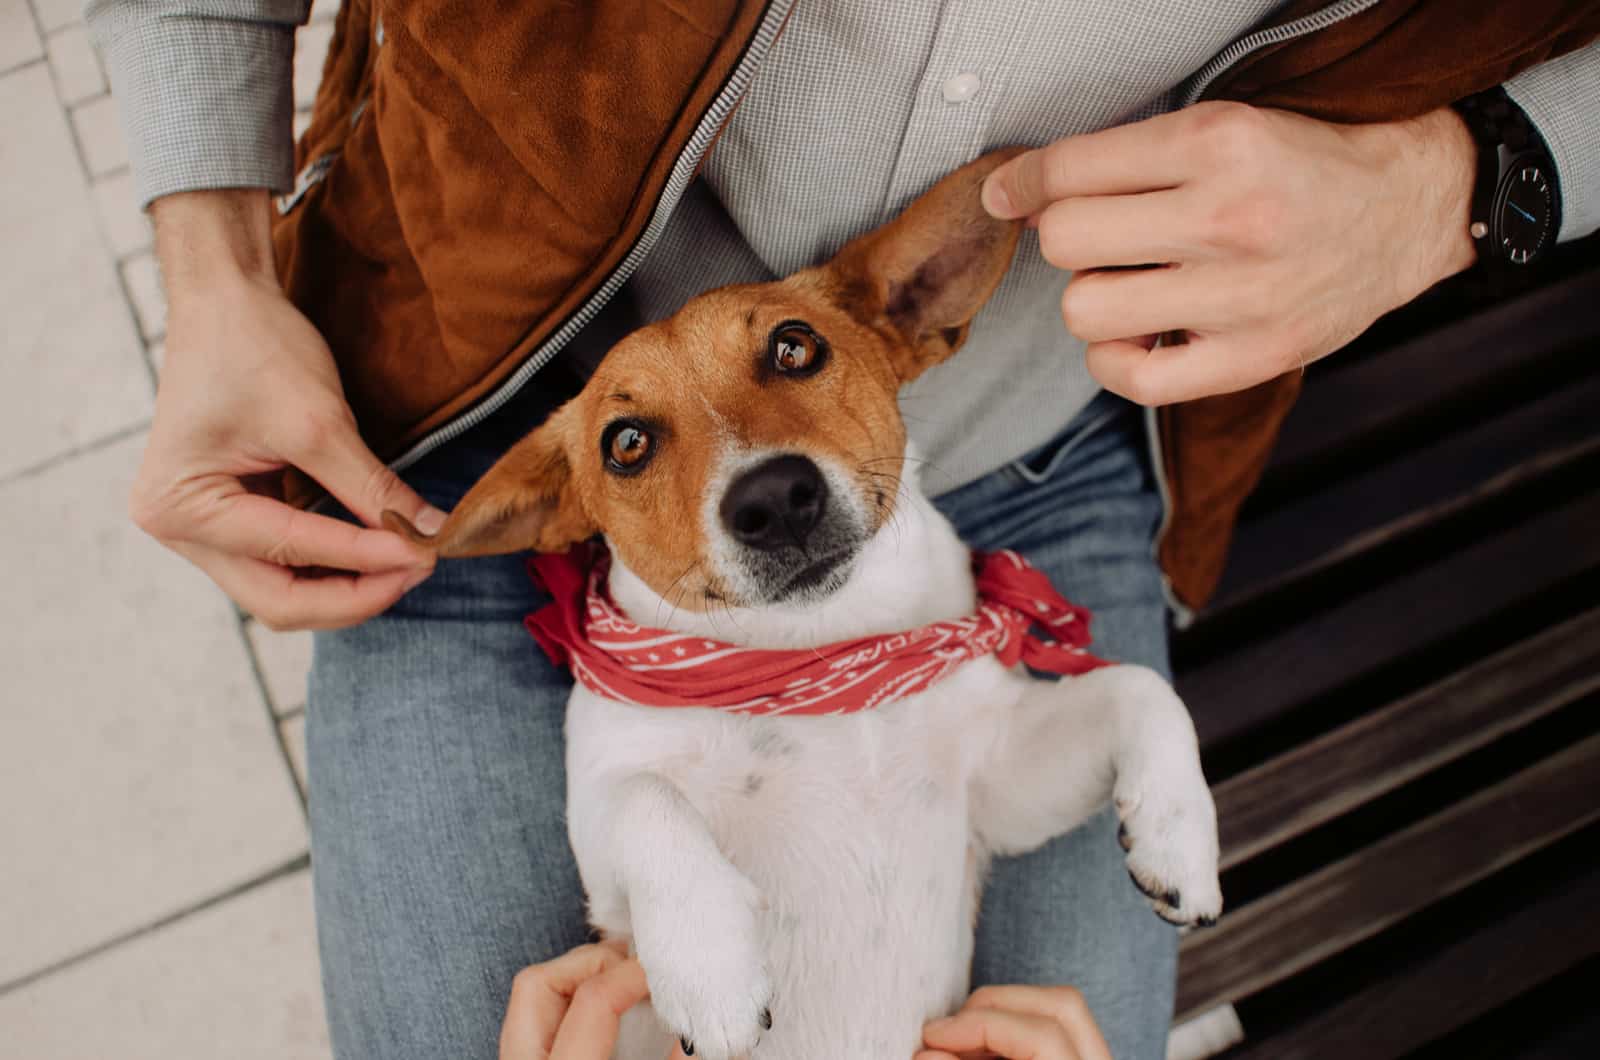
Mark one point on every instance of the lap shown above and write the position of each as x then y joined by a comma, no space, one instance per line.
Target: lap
438,784
1084,510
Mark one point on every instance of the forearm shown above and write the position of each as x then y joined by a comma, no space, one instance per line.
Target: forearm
205,89
1562,99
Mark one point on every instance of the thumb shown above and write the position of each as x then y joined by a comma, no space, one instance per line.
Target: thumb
362,483
1018,188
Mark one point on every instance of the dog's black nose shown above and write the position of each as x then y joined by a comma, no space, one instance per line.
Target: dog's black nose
776,503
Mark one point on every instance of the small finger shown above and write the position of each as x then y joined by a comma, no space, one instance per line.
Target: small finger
249,524
284,598
1124,160
1063,1004
1203,366
595,1014
1013,1035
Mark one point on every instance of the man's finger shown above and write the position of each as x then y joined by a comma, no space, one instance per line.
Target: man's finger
249,524
1204,366
1013,1035
1124,160
1060,1003
595,1014
283,598
1122,303
1104,231
361,482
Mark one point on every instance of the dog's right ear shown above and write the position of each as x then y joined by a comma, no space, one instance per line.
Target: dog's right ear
526,500
928,272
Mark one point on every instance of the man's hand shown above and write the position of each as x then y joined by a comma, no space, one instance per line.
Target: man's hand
1275,238
1017,1023
247,388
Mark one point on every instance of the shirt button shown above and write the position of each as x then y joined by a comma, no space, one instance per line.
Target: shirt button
961,88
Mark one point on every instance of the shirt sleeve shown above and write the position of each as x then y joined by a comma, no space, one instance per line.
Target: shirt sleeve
205,89
1562,99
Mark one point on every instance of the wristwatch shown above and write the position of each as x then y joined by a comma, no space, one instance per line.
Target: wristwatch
1516,203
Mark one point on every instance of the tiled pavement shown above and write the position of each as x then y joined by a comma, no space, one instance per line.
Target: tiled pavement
154,892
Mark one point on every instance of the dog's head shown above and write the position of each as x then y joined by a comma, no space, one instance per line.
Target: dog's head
746,448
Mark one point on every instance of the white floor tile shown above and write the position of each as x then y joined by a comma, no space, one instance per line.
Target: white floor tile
138,766
238,980
143,278
310,49
294,740
53,14
285,660
75,65
72,363
19,41
99,129
126,227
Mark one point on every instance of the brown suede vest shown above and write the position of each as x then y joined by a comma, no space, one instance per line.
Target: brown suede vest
475,179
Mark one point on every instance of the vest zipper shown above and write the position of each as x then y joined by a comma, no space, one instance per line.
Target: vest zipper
1191,93
683,172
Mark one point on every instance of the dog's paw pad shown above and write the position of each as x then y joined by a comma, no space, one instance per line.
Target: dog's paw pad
1171,846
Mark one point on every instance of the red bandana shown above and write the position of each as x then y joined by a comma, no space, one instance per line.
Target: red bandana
613,657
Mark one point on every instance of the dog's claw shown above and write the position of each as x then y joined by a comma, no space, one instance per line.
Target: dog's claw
687,1046
1123,839
766,1019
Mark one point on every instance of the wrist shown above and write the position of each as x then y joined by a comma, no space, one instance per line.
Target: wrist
1429,164
209,242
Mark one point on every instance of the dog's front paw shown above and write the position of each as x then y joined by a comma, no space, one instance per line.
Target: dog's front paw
1169,830
705,961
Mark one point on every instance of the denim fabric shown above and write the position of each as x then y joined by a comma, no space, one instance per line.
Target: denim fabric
439,845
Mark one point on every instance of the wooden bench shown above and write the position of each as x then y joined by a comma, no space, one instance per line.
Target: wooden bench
1397,691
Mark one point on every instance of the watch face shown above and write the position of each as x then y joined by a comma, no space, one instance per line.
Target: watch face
1525,210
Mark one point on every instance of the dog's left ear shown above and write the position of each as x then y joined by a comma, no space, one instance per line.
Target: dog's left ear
525,501
929,271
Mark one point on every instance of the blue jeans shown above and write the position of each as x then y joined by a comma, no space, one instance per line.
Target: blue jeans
438,788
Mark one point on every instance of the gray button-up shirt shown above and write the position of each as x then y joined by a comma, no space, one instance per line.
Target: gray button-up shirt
860,106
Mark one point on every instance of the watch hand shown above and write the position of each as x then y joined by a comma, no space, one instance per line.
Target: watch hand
1523,212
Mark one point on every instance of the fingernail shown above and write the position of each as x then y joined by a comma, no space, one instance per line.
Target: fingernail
429,520
416,579
941,1022
995,199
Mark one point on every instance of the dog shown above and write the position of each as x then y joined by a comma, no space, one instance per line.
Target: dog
806,886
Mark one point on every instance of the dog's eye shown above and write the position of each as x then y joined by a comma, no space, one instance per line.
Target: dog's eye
795,349
627,447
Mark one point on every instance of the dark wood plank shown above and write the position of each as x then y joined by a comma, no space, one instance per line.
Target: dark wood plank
1238,691
1415,490
1490,964
1356,763
1353,899
1405,382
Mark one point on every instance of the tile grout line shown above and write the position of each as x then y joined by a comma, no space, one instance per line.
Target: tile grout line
288,868
94,445
240,623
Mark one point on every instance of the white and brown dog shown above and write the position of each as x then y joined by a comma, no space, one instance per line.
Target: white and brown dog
745,461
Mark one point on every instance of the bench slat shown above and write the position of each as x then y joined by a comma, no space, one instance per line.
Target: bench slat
1379,752
1376,393
1416,490
1255,683
1489,966
1330,910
